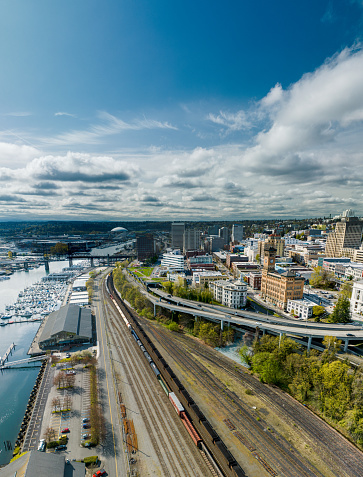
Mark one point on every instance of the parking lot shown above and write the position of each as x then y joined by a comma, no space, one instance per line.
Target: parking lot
75,422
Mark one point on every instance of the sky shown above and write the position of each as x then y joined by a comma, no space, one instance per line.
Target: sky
184,110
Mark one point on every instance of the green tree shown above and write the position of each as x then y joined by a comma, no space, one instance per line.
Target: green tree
318,310
322,278
246,355
10,254
267,367
59,248
346,289
341,312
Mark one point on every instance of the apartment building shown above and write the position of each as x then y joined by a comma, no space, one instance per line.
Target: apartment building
356,301
230,293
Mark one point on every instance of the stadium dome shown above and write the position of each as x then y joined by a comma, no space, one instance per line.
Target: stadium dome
119,230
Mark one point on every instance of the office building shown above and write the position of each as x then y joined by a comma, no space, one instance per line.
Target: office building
230,293
276,287
145,246
191,240
347,235
173,260
237,233
177,234
224,234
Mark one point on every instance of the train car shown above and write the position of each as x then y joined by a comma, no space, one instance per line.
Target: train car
176,403
212,433
163,385
155,369
191,430
227,455
178,384
200,416
187,397
147,356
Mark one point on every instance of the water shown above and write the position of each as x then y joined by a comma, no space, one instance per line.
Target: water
231,351
16,384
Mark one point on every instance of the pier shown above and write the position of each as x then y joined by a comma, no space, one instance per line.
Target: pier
7,354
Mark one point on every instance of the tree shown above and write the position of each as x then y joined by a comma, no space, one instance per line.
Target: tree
322,278
318,310
341,312
346,289
59,248
56,404
246,355
10,254
49,434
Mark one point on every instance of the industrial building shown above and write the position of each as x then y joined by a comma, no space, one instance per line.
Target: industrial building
68,325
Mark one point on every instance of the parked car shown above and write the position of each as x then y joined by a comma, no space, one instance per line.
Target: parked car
86,436
86,426
64,430
85,419
61,447
99,472
68,355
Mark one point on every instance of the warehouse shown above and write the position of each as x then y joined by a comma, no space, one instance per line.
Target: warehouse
68,325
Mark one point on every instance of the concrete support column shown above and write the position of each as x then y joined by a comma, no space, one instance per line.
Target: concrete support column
309,342
46,265
26,265
108,260
263,331
346,342
92,263
70,261
222,322
154,309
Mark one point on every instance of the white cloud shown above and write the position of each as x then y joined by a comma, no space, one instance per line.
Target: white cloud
110,125
62,113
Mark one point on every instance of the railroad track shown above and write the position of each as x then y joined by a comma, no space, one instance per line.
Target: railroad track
175,456
270,451
336,449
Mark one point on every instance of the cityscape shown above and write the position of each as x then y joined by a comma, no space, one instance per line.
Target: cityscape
247,337
181,238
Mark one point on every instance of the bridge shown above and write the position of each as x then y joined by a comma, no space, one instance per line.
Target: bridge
274,325
22,362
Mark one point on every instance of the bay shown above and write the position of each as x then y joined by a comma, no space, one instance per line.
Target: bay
16,384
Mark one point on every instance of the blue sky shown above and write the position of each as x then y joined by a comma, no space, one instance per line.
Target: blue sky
119,110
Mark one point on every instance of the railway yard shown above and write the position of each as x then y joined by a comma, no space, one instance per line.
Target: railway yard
163,445
267,431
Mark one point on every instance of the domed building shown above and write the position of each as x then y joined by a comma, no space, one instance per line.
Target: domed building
119,230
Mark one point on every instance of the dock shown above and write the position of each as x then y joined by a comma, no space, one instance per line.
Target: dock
7,354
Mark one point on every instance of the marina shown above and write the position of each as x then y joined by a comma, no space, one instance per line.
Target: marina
28,300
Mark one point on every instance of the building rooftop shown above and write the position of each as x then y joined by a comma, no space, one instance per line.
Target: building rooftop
71,319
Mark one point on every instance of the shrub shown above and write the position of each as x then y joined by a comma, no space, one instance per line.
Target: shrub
93,459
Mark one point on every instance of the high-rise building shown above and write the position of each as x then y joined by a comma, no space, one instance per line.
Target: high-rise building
237,233
272,241
177,233
191,239
347,235
145,246
224,234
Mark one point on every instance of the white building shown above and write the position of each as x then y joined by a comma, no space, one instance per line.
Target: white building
173,260
230,293
354,270
302,308
356,301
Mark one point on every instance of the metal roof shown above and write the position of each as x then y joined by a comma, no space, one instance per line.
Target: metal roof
70,319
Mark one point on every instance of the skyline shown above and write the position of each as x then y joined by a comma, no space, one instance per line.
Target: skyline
137,111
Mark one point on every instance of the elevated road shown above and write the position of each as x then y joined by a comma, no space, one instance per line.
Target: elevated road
275,325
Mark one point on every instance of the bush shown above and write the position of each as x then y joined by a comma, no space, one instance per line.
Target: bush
93,459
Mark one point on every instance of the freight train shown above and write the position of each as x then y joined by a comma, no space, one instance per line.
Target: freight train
197,425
